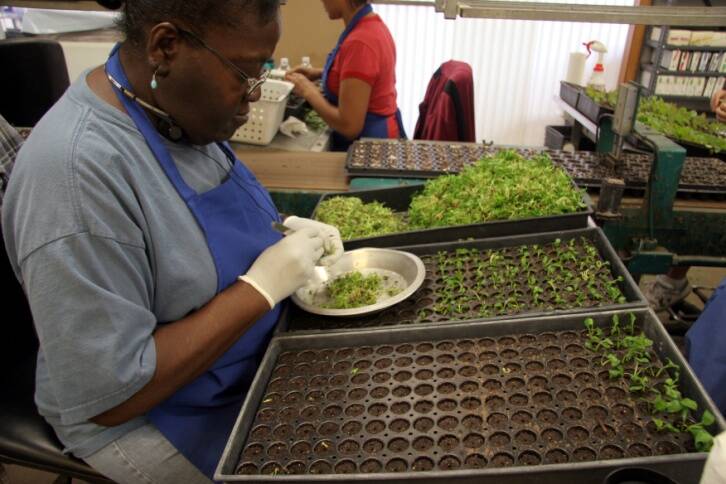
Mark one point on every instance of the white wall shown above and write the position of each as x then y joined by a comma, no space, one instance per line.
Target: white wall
517,65
83,55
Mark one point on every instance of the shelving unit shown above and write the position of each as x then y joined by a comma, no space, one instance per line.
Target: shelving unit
656,53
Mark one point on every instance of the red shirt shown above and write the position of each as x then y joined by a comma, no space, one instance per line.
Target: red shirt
369,54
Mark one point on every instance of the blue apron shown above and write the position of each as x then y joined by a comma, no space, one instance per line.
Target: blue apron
706,344
375,125
236,220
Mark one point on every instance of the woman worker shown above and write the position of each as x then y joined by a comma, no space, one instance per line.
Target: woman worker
146,248
358,80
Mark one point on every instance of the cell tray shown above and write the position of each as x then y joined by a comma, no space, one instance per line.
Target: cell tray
402,158
399,198
425,306
522,401
416,158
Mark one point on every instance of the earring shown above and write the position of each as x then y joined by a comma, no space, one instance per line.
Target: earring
154,83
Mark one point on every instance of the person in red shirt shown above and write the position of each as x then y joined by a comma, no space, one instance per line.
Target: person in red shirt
358,80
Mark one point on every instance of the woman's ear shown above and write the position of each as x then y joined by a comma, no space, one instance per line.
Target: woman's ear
162,45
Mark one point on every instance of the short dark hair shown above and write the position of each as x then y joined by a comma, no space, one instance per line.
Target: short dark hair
197,15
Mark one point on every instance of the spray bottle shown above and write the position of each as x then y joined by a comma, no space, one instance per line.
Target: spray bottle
597,78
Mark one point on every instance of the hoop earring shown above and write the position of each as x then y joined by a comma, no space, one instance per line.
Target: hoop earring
154,82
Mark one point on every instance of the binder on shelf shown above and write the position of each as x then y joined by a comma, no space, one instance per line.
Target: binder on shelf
669,59
704,38
712,87
678,37
695,61
700,86
717,62
655,34
685,59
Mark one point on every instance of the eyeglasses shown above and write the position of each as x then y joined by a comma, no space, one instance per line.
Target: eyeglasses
253,83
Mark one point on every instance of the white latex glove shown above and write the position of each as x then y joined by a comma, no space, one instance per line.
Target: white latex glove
284,267
715,470
332,243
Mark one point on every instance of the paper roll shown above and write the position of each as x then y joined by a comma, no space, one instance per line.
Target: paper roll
576,68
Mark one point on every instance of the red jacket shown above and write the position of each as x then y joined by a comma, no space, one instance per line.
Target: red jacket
447,111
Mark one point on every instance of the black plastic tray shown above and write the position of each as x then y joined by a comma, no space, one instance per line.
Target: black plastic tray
557,136
397,163
399,198
590,109
297,321
424,348
570,93
700,175
696,150
403,158
295,107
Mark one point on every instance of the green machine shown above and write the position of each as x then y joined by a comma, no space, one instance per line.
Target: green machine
661,233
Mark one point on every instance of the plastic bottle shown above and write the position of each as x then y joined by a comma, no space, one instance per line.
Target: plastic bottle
597,78
282,68
284,64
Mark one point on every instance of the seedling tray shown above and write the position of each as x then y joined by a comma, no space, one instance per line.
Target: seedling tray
570,93
697,150
399,198
557,136
430,304
591,109
418,159
512,401
699,175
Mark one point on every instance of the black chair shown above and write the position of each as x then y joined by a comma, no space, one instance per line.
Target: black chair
26,439
34,76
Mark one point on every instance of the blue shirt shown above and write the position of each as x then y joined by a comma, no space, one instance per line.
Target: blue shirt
105,249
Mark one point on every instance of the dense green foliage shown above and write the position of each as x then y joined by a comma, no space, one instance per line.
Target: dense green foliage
501,186
314,121
601,97
353,290
674,121
356,219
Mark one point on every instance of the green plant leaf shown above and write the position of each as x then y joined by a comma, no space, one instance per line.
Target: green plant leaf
707,418
689,404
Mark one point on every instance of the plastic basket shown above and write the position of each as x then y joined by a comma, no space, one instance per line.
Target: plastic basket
265,115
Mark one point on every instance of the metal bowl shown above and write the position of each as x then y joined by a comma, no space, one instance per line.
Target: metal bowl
403,268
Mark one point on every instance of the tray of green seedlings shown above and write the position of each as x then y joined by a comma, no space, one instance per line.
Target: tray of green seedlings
532,400
699,135
593,104
502,194
507,277
419,159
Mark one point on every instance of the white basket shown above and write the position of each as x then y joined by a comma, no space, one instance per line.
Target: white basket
265,115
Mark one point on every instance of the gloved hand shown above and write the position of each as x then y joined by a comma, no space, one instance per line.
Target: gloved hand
714,471
332,244
284,267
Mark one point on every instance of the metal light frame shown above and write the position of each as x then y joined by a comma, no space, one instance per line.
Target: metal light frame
505,9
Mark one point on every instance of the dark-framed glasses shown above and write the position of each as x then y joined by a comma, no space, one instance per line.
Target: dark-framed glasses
253,83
